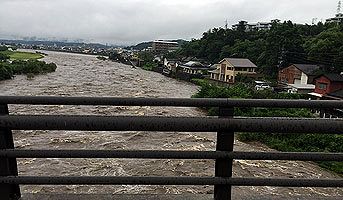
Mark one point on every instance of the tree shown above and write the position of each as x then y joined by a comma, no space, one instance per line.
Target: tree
3,48
4,57
327,49
283,44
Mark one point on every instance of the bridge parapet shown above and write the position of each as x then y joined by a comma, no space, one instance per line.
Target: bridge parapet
225,125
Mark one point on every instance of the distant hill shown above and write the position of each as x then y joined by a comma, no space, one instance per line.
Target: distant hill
140,46
145,45
52,43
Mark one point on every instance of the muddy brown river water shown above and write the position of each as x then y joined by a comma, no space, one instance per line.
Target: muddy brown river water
83,75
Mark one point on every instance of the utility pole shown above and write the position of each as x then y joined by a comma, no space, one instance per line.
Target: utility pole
226,25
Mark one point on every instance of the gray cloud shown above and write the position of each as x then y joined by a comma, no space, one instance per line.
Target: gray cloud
131,21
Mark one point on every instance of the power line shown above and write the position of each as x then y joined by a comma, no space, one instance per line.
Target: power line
322,53
325,62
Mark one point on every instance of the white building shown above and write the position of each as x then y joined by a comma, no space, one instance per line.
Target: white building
337,19
259,26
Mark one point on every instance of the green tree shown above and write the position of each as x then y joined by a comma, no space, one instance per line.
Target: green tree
327,49
4,57
283,44
3,48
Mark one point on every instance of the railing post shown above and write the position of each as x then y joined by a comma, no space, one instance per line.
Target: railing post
8,166
223,167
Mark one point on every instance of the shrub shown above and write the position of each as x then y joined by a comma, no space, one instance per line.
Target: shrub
281,142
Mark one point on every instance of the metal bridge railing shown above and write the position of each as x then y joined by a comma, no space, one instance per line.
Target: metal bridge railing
225,125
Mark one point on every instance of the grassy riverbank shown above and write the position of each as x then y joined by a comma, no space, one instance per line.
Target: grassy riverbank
17,55
16,62
280,142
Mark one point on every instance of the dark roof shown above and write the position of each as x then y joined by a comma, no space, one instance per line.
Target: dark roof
307,68
334,77
338,93
240,62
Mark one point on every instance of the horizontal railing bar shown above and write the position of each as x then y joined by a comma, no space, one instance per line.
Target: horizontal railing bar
175,102
158,154
148,123
117,180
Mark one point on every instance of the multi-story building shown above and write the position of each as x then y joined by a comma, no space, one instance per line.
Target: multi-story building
164,46
337,19
339,16
259,26
229,68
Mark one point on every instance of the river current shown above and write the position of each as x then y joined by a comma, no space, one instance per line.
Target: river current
84,75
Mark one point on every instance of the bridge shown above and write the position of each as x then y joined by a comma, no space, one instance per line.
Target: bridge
225,125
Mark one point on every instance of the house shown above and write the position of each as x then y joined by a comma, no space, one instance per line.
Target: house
170,66
327,85
193,67
298,74
229,68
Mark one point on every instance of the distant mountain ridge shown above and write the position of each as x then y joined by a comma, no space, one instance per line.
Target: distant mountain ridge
144,45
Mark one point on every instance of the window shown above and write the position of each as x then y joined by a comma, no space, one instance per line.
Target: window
322,86
222,70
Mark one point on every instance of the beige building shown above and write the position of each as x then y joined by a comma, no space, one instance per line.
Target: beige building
229,68
164,46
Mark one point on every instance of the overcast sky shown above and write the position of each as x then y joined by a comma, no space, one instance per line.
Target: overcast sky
132,21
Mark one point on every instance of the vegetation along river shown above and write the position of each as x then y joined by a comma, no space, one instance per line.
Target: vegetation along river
83,75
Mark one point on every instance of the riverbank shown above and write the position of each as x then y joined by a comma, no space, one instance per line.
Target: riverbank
18,55
281,142
19,62
29,68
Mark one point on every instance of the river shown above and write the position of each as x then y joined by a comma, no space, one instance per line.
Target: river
84,75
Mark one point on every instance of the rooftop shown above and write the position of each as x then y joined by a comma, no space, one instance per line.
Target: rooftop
166,42
333,77
307,68
303,86
240,62
193,64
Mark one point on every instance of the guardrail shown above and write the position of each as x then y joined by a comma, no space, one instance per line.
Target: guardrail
225,125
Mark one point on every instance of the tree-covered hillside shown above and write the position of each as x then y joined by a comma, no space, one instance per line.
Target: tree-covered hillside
284,43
